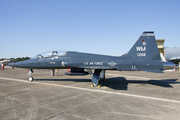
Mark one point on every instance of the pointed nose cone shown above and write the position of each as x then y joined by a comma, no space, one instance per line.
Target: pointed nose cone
14,64
22,64
18,64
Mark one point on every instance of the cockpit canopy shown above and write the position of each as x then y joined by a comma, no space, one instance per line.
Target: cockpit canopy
49,54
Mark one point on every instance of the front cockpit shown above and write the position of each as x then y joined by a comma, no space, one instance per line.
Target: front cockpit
44,60
49,54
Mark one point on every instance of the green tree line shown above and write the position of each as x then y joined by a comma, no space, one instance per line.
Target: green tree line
16,59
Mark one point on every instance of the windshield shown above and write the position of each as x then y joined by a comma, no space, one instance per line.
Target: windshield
50,54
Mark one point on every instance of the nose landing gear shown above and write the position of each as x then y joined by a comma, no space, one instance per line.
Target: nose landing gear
30,78
30,71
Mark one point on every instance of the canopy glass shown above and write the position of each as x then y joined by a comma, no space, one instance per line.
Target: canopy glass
50,54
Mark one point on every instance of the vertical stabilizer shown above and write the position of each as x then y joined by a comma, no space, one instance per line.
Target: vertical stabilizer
145,48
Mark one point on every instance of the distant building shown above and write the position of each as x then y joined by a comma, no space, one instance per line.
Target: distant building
170,53
160,45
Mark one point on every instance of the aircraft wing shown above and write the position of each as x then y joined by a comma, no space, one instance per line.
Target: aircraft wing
174,58
154,71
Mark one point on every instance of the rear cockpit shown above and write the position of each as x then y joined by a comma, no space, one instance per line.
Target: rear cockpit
50,54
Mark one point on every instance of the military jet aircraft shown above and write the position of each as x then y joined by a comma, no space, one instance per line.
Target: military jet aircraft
143,56
172,54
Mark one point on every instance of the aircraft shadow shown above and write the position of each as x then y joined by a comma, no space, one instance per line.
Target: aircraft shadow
121,83
75,80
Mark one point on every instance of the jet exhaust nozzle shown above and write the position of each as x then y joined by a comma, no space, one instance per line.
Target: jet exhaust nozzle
168,65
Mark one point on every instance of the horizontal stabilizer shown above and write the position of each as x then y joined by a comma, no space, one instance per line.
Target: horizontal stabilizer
154,71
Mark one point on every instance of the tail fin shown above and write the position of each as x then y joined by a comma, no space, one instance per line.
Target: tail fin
145,48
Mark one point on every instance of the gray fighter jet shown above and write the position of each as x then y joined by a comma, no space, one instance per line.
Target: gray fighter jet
172,54
143,56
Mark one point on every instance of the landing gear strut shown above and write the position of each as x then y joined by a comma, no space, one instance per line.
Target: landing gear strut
97,76
52,72
102,75
30,71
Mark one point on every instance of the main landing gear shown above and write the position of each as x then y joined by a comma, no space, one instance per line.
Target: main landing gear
93,85
99,75
30,71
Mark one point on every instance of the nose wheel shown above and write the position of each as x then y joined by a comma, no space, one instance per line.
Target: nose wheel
30,78
30,71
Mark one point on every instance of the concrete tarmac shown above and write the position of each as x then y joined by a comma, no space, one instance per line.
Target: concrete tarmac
123,96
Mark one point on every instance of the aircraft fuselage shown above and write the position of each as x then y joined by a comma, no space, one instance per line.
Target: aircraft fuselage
89,61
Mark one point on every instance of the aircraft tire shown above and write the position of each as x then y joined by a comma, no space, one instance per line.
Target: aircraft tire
94,85
30,78
99,85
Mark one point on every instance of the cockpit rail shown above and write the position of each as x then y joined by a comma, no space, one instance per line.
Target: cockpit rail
49,54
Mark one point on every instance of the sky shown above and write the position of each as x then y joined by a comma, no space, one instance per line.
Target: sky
109,27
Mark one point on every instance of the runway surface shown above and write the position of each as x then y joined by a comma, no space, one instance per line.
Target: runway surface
124,95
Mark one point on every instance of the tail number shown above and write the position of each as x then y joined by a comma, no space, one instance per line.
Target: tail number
141,54
141,48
